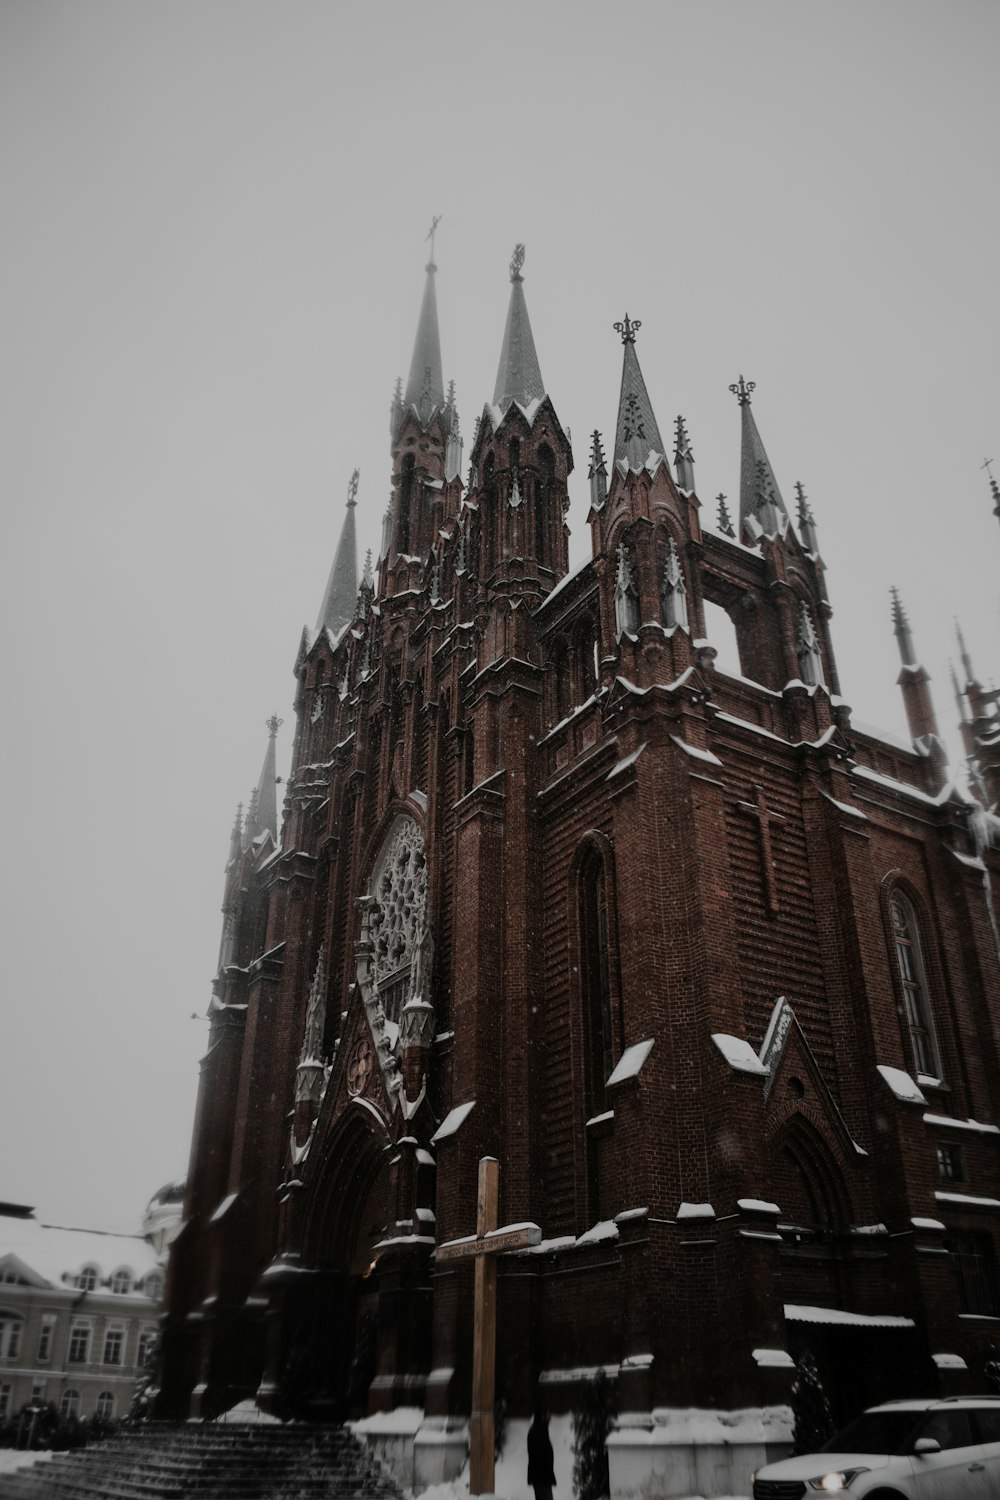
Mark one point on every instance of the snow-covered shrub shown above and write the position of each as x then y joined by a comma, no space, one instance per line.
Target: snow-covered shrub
814,1424
591,1425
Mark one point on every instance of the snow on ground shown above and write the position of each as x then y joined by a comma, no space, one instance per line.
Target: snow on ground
13,1458
511,1482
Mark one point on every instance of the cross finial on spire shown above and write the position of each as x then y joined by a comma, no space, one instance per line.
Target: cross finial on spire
682,445
516,262
742,391
352,488
430,236
725,520
628,329
273,725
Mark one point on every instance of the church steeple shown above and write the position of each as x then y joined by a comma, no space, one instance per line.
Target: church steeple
636,433
519,376
760,496
263,814
425,385
337,609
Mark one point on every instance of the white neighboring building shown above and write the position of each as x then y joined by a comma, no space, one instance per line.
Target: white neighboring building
78,1312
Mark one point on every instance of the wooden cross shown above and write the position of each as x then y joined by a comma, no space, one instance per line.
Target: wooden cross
485,1245
758,809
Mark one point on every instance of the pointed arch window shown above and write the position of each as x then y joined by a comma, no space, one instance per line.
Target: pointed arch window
595,972
913,982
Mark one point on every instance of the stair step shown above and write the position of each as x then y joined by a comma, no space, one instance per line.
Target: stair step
206,1461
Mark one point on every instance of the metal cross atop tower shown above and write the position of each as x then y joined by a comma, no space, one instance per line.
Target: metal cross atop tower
742,391
516,262
431,232
628,329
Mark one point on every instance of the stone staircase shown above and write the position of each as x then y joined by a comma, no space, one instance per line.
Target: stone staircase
213,1461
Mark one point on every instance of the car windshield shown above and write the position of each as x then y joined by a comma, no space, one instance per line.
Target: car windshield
876,1432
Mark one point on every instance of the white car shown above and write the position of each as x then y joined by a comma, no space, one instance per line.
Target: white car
903,1450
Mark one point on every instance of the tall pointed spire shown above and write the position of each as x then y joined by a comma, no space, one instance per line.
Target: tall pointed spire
598,472
901,629
683,457
636,434
519,377
807,522
970,675
337,609
425,385
263,814
758,485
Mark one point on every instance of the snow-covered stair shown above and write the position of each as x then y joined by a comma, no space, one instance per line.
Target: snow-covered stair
228,1461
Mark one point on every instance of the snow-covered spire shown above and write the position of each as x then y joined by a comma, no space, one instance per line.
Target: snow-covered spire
263,814
397,409
636,433
725,520
956,689
970,675
598,472
366,587
425,384
901,629
807,521
914,684
807,648
683,457
758,485
453,447
519,377
236,837
337,609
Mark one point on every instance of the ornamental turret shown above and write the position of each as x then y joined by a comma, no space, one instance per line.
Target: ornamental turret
520,461
914,683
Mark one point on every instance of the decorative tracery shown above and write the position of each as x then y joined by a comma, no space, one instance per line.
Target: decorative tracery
399,898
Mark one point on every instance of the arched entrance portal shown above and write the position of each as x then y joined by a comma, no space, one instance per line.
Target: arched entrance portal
331,1307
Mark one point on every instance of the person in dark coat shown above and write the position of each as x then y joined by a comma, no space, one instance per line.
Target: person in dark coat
541,1474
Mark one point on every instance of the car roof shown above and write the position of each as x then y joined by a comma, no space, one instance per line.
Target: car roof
933,1403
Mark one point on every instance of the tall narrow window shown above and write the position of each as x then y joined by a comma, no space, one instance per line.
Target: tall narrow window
595,970
45,1338
913,979
405,503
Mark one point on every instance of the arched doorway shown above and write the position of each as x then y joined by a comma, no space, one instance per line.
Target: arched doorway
331,1305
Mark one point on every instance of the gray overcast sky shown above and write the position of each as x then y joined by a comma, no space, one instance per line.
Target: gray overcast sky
213,249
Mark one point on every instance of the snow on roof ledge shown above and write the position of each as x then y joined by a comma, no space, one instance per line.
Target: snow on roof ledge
902,1084
695,1211
949,1361
777,1359
452,1120
631,1061
838,1315
739,1054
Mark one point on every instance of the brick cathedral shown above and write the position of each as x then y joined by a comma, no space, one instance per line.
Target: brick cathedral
711,970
